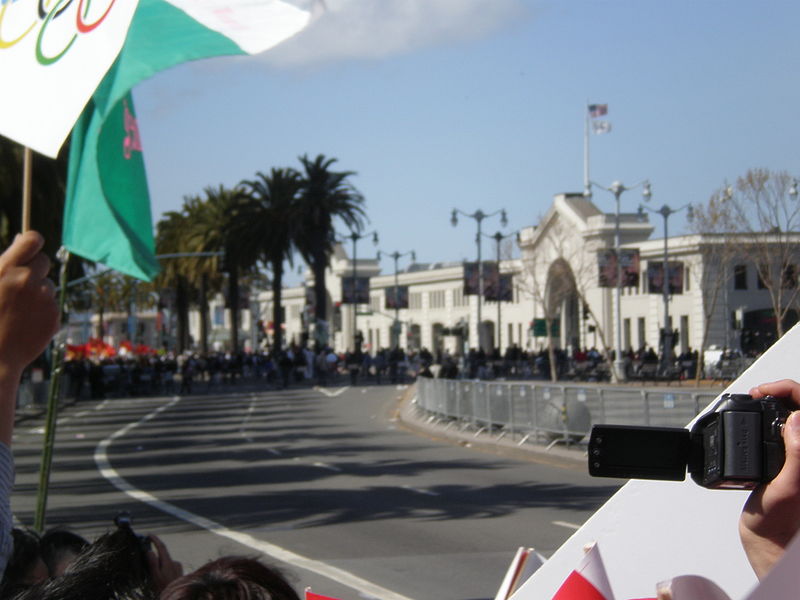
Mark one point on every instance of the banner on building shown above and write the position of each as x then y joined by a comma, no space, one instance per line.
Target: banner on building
499,290
355,290
607,267
539,328
655,277
472,274
396,297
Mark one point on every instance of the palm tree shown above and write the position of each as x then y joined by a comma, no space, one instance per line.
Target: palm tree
266,223
324,196
204,233
170,232
219,231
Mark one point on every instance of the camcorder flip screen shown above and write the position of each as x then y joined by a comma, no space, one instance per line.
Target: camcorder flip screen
639,453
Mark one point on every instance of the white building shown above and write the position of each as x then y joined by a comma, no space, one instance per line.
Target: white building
558,262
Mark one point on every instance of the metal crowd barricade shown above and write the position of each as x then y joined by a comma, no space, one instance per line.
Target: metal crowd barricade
546,412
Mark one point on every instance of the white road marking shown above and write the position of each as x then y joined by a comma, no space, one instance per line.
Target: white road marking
567,525
277,552
332,393
419,490
323,465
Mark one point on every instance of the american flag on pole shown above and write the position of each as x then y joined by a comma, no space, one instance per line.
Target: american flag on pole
598,110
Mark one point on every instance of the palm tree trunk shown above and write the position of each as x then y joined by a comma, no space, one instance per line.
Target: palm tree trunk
204,314
182,309
277,312
233,296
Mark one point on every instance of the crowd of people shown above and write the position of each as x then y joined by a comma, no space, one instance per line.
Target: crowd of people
193,372
121,564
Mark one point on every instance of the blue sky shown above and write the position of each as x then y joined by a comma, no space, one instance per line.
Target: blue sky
480,104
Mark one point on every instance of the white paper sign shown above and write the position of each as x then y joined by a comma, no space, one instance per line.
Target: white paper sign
651,531
51,63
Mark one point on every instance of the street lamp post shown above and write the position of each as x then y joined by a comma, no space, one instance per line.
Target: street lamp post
355,236
479,216
396,327
499,237
666,349
617,188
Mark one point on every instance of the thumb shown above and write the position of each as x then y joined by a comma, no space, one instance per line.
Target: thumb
788,480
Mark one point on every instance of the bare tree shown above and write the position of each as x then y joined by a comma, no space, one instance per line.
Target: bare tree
714,221
764,208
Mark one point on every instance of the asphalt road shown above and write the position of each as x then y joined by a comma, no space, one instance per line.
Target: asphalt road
322,482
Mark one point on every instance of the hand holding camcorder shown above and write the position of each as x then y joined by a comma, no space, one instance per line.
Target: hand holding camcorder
737,445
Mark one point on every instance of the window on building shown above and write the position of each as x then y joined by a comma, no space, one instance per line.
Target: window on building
294,311
375,302
436,299
789,279
415,300
459,299
765,271
641,332
219,316
626,328
687,284
684,333
740,277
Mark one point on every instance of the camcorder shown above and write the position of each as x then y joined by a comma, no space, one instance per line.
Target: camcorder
737,445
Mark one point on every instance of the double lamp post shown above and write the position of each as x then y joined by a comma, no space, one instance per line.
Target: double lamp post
478,216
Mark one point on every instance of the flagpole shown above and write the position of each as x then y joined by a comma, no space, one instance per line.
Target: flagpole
586,189
53,395
27,168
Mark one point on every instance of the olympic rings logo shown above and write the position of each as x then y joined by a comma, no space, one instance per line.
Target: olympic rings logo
44,19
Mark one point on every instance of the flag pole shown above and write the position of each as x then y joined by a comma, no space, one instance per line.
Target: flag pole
53,395
27,168
587,190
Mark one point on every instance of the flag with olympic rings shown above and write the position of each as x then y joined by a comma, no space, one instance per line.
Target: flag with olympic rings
52,57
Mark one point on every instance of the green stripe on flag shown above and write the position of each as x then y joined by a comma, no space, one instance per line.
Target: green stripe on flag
107,217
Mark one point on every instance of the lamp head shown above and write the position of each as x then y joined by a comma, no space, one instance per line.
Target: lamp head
690,213
640,213
503,218
413,256
454,218
617,188
375,237
793,190
647,193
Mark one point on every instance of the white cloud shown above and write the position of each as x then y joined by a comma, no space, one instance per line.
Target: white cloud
369,29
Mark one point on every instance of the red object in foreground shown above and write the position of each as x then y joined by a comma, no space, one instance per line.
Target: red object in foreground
577,587
312,596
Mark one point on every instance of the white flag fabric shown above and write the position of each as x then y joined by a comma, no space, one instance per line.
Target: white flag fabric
601,126
52,62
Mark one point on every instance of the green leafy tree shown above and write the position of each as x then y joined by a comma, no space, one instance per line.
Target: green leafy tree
325,195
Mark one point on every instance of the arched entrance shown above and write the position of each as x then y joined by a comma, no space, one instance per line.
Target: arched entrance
563,303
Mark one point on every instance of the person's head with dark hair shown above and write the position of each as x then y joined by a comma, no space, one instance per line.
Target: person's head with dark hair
231,578
59,549
25,567
113,567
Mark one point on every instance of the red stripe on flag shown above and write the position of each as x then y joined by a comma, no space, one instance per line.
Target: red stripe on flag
577,587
